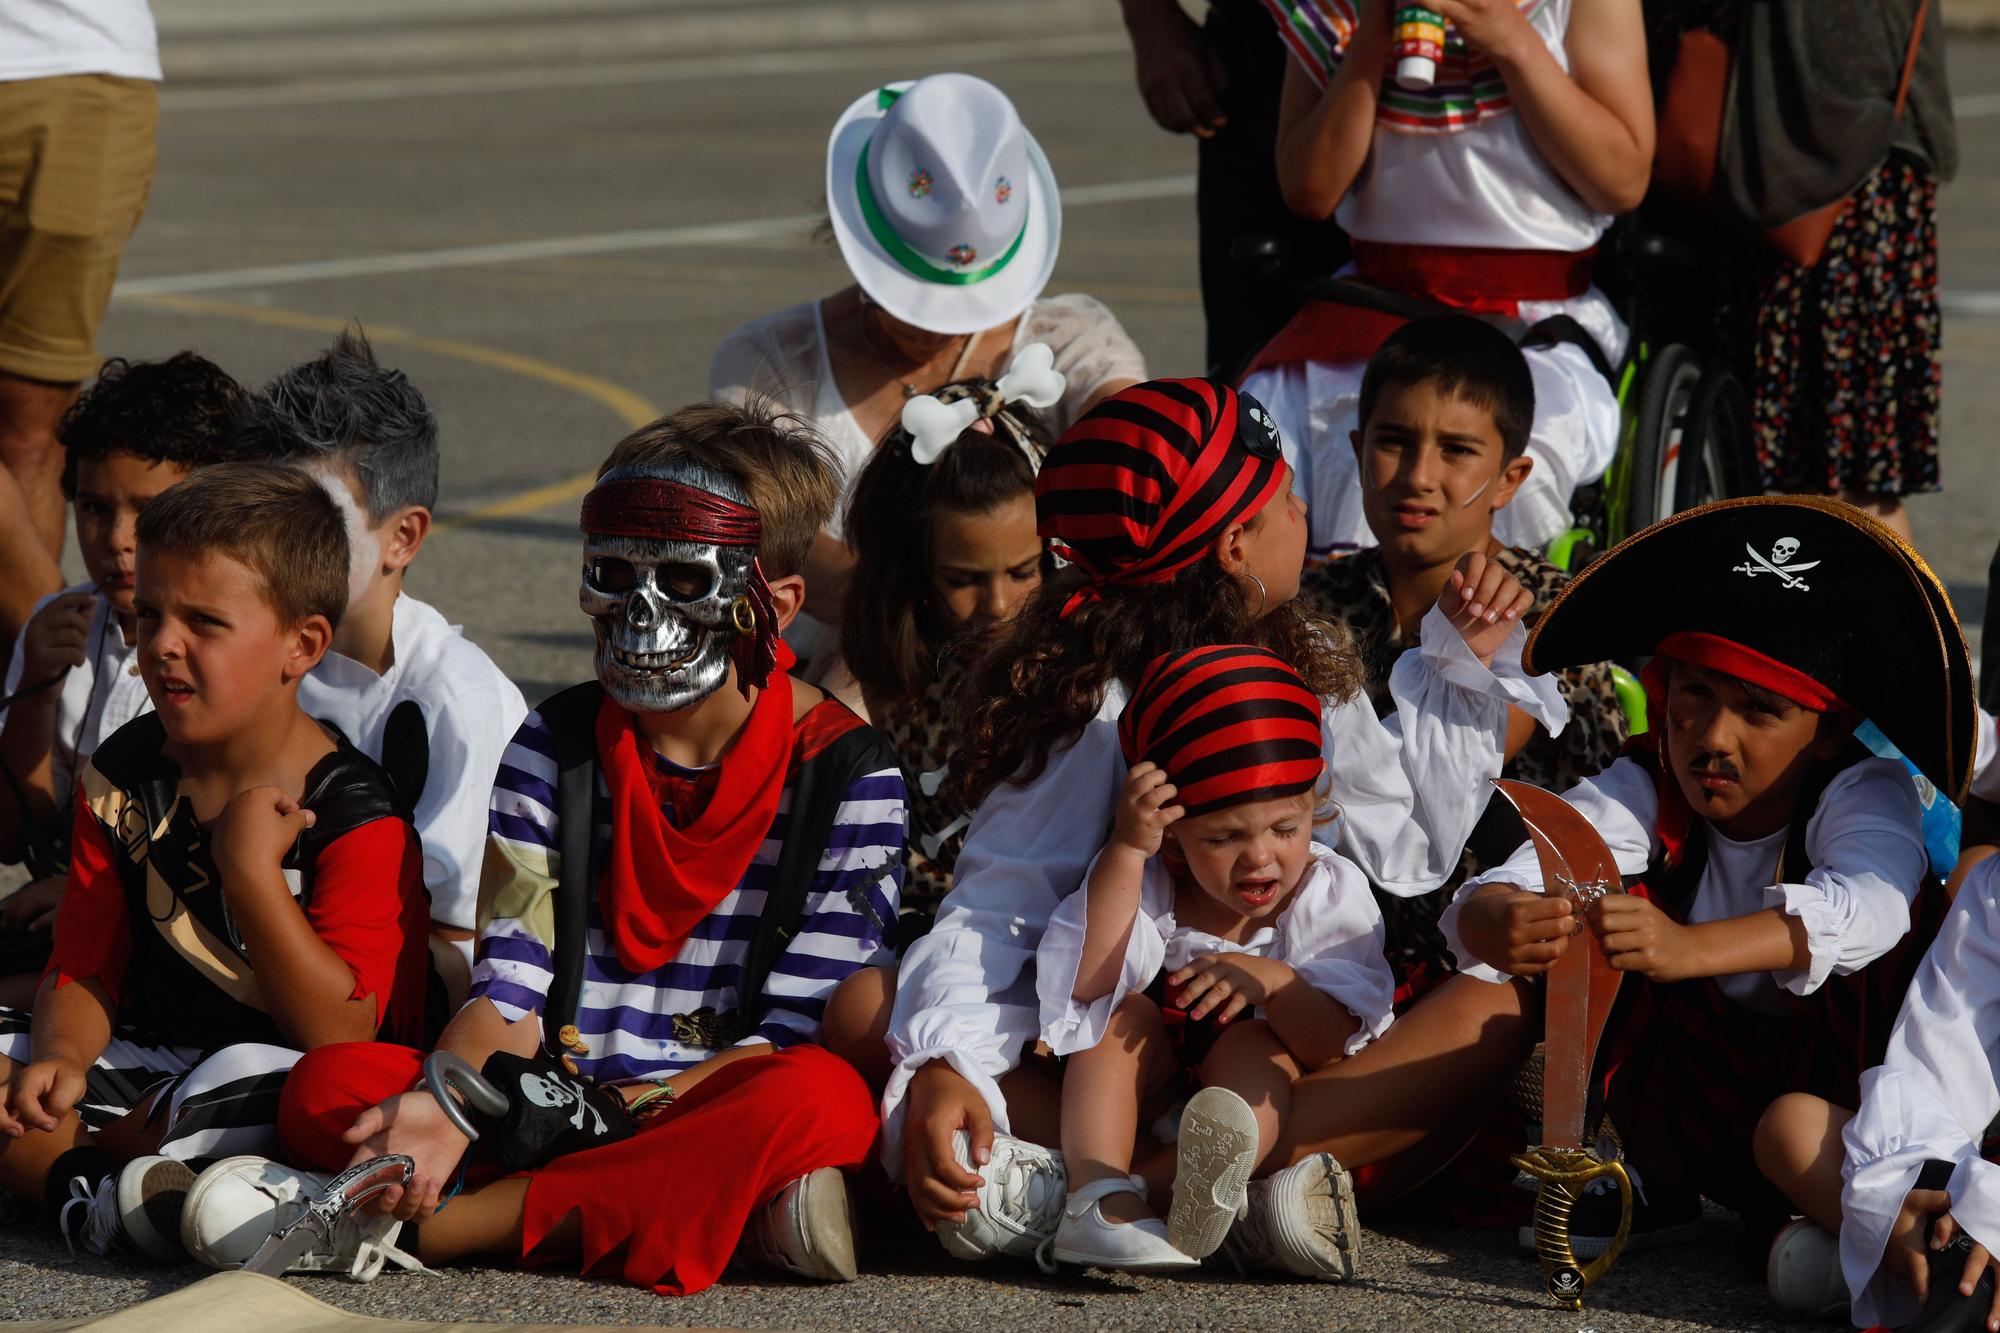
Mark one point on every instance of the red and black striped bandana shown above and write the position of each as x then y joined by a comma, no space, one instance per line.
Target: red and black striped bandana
1228,724
1140,487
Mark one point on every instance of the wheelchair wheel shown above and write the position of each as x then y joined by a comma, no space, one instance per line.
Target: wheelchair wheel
1688,430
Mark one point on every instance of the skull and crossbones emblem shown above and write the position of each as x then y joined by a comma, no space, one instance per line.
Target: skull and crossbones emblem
552,1092
1781,563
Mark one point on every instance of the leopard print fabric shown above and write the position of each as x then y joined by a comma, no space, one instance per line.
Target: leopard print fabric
1355,590
919,731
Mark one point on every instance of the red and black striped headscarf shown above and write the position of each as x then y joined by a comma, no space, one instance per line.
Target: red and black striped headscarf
1228,725
1140,487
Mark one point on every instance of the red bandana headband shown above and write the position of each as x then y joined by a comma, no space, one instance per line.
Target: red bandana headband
1228,724
656,509
1734,659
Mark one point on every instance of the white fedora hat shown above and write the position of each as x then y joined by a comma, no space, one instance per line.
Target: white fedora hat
944,207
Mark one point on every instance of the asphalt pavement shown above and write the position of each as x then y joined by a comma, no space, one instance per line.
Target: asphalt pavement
548,215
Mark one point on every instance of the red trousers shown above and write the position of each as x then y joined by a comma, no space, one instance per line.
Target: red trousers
669,1203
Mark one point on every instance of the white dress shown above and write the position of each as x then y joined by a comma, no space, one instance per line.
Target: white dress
1866,841
471,711
1409,791
1330,933
1486,185
1933,1095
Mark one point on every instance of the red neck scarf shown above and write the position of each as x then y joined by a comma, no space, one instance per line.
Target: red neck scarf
658,881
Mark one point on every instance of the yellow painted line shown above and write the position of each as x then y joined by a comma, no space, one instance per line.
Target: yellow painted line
630,408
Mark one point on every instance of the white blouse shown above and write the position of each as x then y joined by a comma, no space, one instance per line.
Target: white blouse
1934,1094
1409,791
1866,841
1330,933
782,358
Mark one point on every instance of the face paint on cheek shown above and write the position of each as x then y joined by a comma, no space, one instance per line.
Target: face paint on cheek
364,550
1476,494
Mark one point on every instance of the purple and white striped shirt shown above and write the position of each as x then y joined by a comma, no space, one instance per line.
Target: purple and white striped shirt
638,1025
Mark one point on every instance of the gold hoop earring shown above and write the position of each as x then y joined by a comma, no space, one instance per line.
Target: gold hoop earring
745,616
1263,597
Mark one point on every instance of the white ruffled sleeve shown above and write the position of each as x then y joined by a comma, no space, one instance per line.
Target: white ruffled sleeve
1620,804
966,991
1333,936
1070,1024
1866,841
1986,749
1411,787
1937,1089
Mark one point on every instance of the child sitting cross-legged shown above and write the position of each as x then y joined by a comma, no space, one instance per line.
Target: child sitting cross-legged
1215,939
73,675
241,886
686,856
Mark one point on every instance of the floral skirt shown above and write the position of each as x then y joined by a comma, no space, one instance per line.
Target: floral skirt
1844,392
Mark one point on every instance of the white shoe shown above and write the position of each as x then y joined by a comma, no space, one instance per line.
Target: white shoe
808,1229
90,1220
1302,1221
1217,1152
1803,1271
1085,1236
1019,1205
240,1202
151,1194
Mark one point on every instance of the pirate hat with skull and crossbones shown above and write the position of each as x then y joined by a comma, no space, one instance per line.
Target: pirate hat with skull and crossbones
1806,596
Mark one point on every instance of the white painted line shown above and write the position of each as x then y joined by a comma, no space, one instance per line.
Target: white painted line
1969,303
745,64
565,247
1976,104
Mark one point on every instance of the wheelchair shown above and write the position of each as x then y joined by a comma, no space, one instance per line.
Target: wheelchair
1684,416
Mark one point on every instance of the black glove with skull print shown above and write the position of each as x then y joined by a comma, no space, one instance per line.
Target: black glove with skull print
550,1111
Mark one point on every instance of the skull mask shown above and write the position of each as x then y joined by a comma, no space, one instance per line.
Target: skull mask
1784,549
666,612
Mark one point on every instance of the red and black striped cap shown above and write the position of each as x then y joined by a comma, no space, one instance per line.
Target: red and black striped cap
1140,487
1228,724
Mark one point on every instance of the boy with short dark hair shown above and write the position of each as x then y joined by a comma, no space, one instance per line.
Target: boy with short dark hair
1781,895
241,881
139,429
686,857
1446,407
400,681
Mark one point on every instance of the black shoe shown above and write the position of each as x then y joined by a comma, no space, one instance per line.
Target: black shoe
1672,1217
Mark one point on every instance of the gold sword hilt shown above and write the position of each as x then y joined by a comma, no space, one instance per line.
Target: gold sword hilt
1563,1173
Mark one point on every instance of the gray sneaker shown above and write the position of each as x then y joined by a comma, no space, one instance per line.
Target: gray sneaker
808,1229
1020,1205
1302,1221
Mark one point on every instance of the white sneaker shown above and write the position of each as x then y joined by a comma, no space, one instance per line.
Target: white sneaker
1301,1220
151,1194
1019,1205
1803,1271
240,1202
1086,1236
808,1229
1217,1152
90,1221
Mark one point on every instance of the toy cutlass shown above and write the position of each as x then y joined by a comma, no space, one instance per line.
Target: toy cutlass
1580,988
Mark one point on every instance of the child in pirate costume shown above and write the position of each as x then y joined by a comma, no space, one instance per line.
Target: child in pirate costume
1171,504
1214,940
1780,891
665,961
243,884
1442,433
942,523
1486,192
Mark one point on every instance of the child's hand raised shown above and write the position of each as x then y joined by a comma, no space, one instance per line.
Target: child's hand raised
1483,601
255,830
56,637
1143,809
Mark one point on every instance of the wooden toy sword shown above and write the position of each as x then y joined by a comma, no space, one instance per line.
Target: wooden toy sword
1580,988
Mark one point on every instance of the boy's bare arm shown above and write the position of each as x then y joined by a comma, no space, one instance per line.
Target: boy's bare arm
315,1005
25,745
1324,135
1593,123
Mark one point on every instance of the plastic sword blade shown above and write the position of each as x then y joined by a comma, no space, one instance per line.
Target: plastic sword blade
343,1194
